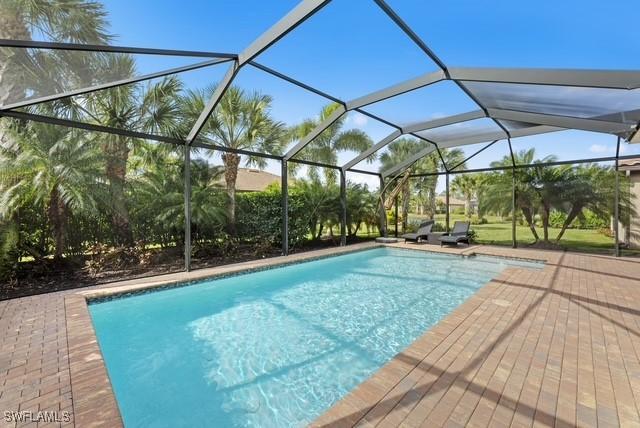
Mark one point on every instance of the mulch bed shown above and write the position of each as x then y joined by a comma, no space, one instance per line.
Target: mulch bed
48,276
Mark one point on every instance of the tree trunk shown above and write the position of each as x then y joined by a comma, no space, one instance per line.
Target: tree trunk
382,219
431,199
231,162
467,206
545,222
406,198
117,154
528,216
575,210
57,213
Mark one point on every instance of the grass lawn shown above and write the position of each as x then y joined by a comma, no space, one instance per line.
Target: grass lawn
498,232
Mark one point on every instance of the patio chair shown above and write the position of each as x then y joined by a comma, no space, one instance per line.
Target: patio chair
423,232
460,233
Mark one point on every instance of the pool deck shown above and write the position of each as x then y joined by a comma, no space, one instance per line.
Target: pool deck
558,346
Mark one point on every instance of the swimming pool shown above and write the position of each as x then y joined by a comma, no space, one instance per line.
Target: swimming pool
280,346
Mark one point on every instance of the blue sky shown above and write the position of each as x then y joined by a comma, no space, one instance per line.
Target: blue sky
351,48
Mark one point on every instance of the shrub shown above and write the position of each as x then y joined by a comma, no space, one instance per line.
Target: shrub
259,217
590,220
478,220
557,219
9,238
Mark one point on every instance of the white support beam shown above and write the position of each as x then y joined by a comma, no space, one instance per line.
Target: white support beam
592,125
409,161
612,79
291,20
415,127
371,150
499,135
476,139
398,89
443,121
114,84
337,113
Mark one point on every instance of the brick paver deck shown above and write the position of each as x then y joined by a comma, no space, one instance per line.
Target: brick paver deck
559,346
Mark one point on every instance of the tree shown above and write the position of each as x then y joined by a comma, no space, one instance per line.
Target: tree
322,202
498,196
425,187
592,187
151,108
54,168
22,70
241,121
467,186
396,153
326,146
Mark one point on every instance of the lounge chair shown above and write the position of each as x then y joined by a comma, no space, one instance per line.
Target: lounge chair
423,232
460,233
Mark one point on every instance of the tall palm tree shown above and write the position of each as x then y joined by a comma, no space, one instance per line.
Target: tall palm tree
530,187
467,186
397,152
425,186
53,168
326,146
151,108
240,121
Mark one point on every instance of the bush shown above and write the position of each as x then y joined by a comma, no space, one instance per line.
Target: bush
458,210
557,219
590,220
478,220
8,251
438,227
259,217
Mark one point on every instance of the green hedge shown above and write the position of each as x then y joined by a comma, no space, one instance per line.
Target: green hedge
259,217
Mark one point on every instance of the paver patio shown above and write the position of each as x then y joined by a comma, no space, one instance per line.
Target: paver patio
559,346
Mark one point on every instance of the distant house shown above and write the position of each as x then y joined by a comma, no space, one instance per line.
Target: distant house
455,203
630,232
253,180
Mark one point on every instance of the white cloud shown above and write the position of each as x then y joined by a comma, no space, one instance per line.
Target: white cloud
359,120
600,148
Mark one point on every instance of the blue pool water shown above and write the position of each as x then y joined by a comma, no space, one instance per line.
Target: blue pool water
277,347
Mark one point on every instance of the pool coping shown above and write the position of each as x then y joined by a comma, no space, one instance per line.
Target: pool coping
94,402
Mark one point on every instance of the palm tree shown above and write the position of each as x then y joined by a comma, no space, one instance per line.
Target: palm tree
75,21
151,108
535,189
53,168
326,146
322,202
590,187
467,186
425,186
397,152
241,121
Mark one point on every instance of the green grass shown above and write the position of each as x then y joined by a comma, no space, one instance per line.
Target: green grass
498,232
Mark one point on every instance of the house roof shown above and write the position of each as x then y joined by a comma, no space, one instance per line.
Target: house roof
253,180
452,200
629,164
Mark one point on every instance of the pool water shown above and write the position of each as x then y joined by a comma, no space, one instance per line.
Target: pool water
276,347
